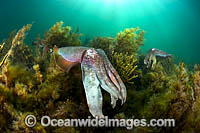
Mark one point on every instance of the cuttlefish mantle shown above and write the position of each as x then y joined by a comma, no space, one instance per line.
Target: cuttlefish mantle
67,57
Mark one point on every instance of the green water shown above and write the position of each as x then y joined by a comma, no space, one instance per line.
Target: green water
170,25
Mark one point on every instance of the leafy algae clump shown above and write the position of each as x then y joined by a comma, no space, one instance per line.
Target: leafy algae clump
125,66
61,36
129,40
105,43
38,74
19,52
16,74
56,35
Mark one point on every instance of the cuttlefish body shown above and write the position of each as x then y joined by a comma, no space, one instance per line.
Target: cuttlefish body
97,71
150,58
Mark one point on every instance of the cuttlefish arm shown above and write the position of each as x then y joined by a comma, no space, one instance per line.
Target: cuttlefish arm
100,72
92,86
113,76
147,60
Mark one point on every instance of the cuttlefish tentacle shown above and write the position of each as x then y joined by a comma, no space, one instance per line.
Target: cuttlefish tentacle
114,76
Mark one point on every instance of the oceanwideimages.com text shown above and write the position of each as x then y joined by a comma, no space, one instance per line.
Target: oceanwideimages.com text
46,121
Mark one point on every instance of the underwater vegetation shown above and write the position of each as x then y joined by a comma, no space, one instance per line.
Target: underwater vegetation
32,83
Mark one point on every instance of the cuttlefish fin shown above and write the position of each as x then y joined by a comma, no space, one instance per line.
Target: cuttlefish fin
63,63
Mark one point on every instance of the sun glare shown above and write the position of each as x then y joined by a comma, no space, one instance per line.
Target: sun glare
114,1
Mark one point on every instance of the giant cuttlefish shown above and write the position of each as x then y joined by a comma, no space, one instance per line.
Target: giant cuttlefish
150,58
97,71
